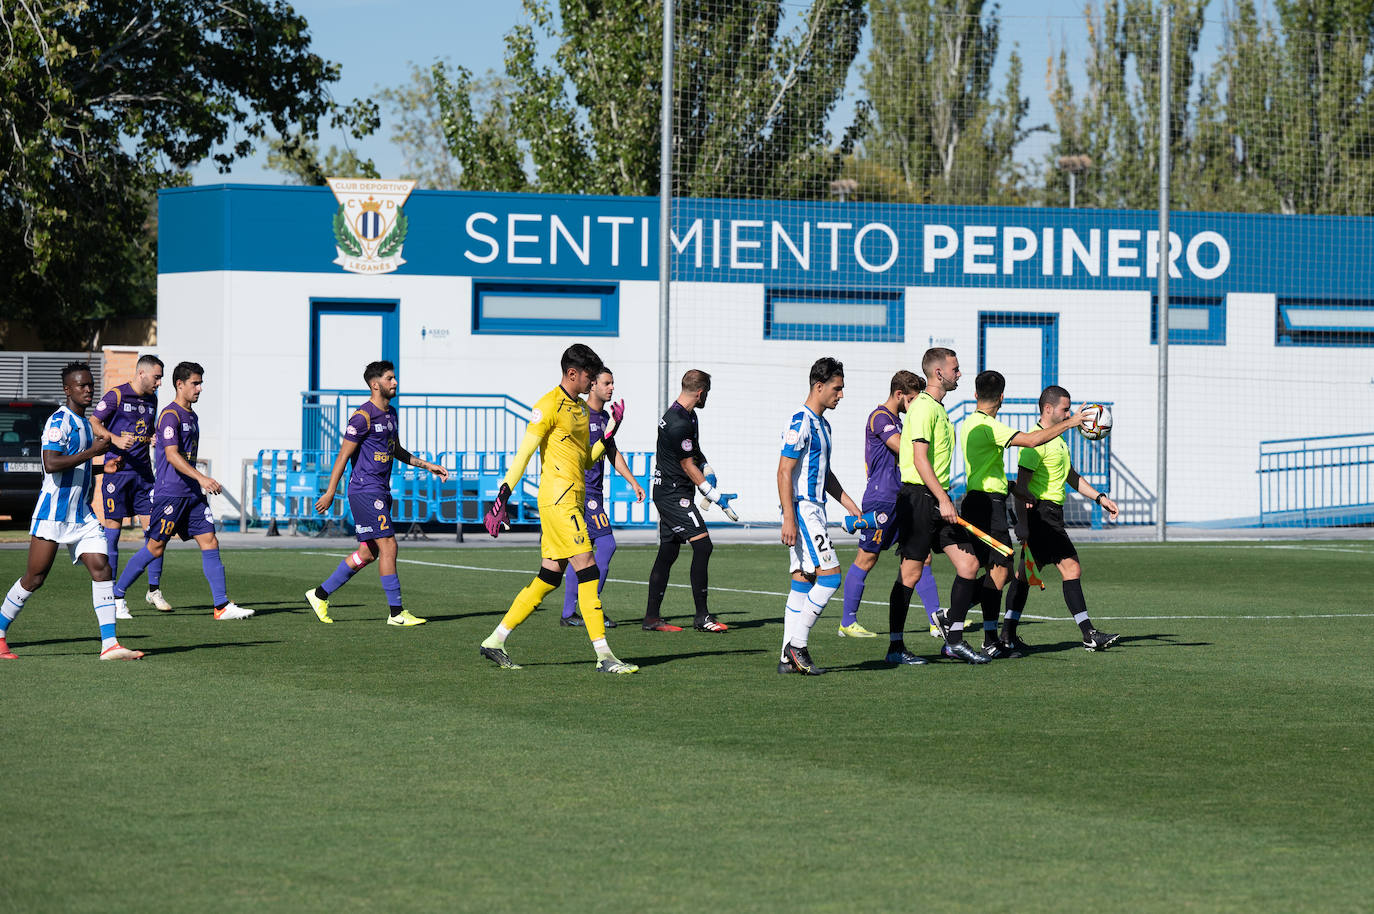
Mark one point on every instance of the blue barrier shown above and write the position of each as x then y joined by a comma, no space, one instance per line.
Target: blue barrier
1323,481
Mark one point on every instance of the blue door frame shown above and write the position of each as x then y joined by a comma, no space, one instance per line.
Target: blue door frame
390,312
1049,338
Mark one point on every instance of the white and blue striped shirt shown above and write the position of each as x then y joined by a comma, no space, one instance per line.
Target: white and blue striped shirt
808,440
66,496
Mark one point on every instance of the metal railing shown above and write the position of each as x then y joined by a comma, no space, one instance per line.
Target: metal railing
1324,481
429,422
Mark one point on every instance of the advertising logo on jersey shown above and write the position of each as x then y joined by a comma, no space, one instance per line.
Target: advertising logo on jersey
370,225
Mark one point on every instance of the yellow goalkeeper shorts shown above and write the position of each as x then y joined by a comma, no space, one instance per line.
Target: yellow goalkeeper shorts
564,531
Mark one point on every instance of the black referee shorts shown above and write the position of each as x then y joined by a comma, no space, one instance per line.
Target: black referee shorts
1049,542
988,512
921,529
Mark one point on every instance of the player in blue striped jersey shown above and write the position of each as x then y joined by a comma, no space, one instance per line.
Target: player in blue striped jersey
804,481
63,515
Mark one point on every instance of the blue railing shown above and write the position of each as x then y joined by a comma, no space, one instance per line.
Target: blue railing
1092,459
1325,481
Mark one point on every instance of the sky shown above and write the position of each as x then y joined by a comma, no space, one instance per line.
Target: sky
376,42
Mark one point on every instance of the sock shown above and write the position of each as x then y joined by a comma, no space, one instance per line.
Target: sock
498,637
14,602
569,591
898,603
528,600
821,592
603,650
214,573
701,558
140,561
1017,592
658,578
1073,598
992,604
605,548
102,598
929,593
154,572
590,604
796,604
392,585
112,549
337,578
853,593
960,595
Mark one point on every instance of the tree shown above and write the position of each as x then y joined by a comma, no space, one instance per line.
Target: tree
299,158
750,103
929,81
103,101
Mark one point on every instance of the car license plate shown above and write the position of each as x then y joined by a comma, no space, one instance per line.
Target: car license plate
17,466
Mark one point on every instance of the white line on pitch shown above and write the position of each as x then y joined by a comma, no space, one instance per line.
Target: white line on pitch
775,593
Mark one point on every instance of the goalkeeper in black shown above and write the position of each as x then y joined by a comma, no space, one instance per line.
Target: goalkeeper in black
680,472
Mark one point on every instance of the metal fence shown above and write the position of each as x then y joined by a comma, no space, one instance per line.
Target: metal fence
1326,481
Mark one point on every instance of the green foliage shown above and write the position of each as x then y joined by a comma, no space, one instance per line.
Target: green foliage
346,240
298,157
416,127
104,101
396,237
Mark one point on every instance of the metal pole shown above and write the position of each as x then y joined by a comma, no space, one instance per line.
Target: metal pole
1162,452
1073,187
665,206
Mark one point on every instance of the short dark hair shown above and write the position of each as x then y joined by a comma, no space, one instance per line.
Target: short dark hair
825,368
934,356
694,379
72,368
1052,394
376,370
989,385
148,361
604,370
184,370
581,357
905,382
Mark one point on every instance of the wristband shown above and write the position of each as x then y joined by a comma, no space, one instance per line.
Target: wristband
707,491
1098,500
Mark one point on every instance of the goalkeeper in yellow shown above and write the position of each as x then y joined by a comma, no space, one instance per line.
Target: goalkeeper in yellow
558,430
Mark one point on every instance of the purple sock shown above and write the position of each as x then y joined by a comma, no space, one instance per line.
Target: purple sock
569,592
928,592
338,578
155,572
112,550
214,573
140,561
853,593
392,585
605,548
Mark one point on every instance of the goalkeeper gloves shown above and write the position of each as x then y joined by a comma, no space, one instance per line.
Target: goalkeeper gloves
495,520
709,473
613,424
722,499
868,521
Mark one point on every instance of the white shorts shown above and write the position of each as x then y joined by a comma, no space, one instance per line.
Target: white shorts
88,537
813,550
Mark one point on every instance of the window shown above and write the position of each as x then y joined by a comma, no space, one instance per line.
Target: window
871,317
546,309
1194,320
1324,322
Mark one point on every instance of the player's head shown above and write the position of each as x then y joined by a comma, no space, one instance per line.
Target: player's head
78,383
187,379
381,377
148,374
580,367
941,366
696,384
905,386
1055,405
989,386
827,383
603,385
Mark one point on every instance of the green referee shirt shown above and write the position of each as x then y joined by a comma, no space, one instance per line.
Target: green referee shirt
1050,461
984,440
926,420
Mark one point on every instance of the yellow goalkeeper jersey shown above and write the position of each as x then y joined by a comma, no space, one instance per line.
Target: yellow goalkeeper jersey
558,430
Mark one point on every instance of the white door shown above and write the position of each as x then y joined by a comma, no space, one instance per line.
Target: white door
347,342
1017,352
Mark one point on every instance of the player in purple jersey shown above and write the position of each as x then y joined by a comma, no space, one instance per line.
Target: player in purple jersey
597,512
180,506
882,440
127,489
371,442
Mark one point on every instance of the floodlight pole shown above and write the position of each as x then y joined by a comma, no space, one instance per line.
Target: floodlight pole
1162,387
665,207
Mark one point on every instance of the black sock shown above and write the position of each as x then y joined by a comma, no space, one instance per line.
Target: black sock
396,611
320,593
1016,602
992,604
1078,607
701,558
658,578
960,595
898,604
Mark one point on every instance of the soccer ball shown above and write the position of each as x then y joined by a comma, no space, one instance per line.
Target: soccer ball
1098,425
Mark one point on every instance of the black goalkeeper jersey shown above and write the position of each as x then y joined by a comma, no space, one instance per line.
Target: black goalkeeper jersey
677,438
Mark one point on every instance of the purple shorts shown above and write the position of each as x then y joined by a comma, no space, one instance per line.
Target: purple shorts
185,517
126,495
371,515
876,539
598,516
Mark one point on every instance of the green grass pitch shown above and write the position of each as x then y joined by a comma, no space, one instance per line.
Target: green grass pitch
1217,760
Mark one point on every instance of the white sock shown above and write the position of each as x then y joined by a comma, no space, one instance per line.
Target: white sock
603,650
102,597
791,614
14,602
811,610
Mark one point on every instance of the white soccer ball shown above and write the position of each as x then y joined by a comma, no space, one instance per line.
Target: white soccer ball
1098,425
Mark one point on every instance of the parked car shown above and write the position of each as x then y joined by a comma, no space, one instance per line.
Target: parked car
21,463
